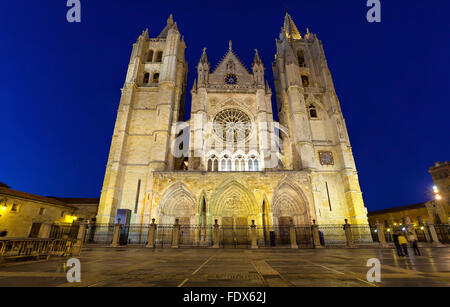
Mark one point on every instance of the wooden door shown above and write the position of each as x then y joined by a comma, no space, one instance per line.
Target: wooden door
283,223
227,230
241,230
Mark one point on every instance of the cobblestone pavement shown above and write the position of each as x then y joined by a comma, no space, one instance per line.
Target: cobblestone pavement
128,266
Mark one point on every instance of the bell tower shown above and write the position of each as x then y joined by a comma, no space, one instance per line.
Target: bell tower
318,141
152,100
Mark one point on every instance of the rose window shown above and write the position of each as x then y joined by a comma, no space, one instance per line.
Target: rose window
232,125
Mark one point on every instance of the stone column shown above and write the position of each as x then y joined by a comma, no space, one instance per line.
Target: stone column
410,227
176,234
215,235
116,235
293,235
316,236
427,234
348,234
380,234
151,235
253,234
434,236
44,231
80,237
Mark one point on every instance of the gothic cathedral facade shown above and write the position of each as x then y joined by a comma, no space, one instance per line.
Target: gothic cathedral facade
231,161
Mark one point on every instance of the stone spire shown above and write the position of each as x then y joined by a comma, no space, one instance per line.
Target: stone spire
170,25
204,58
170,20
257,59
203,69
290,29
258,70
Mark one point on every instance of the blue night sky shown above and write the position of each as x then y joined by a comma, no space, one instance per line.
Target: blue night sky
60,82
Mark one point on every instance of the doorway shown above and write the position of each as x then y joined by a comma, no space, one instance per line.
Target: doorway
235,231
283,223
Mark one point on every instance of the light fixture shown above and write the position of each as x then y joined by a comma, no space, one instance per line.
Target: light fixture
4,207
421,228
403,228
438,197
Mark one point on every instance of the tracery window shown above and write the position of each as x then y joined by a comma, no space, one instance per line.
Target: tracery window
233,163
213,164
232,125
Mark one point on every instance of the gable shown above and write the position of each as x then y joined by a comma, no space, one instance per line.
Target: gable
230,64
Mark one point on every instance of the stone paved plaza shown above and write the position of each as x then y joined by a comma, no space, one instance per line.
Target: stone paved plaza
104,266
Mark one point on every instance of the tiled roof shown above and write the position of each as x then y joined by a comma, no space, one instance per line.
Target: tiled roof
74,200
19,194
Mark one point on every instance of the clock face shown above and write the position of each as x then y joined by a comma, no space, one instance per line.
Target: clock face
231,79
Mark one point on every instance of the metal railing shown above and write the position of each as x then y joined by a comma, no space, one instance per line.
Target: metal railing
239,236
332,235
362,234
38,247
443,233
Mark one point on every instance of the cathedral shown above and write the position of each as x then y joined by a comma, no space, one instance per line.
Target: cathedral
231,161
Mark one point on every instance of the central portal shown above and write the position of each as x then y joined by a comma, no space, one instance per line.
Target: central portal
234,206
235,230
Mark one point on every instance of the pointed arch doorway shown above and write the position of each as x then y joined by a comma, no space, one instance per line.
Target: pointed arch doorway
234,206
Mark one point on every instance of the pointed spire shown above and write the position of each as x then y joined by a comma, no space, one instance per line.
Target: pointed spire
290,29
230,45
204,58
170,20
170,25
174,26
257,59
194,87
308,34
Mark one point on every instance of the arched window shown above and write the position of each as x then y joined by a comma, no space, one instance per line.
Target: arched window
150,56
229,165
210,165
155,78
312,111
226,164
213,164
239,164
256,165
301,58
253,164
305,81
159,57
146,78
223,164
